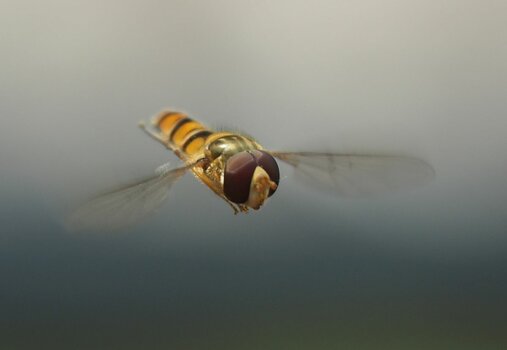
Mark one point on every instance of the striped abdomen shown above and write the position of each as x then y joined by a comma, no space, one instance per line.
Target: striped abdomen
182,133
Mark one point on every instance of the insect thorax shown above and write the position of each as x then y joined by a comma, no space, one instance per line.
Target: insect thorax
220,149
228,145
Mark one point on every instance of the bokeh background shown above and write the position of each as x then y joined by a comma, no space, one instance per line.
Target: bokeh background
417,270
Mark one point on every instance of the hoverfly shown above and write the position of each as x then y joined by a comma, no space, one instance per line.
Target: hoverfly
242,173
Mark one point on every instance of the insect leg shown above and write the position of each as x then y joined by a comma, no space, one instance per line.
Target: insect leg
198,171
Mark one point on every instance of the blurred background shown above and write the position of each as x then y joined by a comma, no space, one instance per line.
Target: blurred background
417,270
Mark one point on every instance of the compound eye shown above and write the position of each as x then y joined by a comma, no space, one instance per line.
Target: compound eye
268,163
239,171
238,175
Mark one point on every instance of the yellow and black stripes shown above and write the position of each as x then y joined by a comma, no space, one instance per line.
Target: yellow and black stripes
195,141
183,133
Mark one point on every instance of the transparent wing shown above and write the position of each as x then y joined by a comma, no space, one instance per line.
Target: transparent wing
127,205
355,175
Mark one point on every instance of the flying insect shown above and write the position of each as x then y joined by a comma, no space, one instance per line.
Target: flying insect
242,173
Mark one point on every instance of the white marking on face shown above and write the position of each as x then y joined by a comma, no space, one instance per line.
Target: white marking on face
259,188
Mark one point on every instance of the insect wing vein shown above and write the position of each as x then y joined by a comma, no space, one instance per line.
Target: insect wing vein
124,206
357,175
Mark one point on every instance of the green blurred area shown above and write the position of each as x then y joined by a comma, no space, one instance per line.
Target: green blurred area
138,291
298,327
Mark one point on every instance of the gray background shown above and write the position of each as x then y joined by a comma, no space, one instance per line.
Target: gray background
423,269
